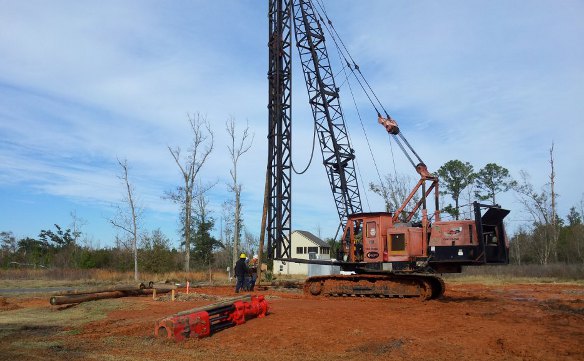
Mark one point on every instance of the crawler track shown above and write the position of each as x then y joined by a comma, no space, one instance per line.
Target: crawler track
424,286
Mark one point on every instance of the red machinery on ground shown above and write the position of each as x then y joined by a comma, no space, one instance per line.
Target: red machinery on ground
204,321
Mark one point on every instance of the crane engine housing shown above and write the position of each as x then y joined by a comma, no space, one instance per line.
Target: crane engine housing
377,243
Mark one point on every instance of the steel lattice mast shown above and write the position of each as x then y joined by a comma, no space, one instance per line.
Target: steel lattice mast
323,94
279,129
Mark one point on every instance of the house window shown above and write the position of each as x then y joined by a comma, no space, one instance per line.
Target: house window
313,250
325,250
299,250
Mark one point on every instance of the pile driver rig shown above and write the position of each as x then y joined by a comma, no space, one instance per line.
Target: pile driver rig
388,254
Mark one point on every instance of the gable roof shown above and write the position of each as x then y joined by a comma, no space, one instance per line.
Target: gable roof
313,238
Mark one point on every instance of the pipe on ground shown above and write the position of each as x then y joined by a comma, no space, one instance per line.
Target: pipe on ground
78,298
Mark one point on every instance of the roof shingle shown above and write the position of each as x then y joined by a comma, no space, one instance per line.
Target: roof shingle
313,238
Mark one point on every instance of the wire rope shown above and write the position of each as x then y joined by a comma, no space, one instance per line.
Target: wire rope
342,57
311,154
362,127
335,36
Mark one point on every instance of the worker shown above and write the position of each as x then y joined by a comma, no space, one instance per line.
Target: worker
253,271
240,271
247,278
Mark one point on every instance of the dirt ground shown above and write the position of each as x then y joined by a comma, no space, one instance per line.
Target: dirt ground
471,322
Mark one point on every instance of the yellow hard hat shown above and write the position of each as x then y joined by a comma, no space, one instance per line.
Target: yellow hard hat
242,255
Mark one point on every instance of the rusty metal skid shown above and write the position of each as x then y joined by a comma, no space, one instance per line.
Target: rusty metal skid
204,321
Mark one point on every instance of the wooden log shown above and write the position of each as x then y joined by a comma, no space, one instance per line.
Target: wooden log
85,291
68,299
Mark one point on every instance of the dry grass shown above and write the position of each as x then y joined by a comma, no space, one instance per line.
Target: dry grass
36,332
35,278
54,318
553,273
500,280
38,278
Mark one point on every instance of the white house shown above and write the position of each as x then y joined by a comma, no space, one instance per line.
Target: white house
304,245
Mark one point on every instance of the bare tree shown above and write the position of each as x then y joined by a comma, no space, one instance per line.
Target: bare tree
469,198
228,209
237,148
222,258
579,238
518,242
318,231
555,229
542,208
190,167
127,217
394,190
8,247
77,223
250,243
205,243
537,205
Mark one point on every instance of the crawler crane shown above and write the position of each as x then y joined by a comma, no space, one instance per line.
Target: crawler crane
388,254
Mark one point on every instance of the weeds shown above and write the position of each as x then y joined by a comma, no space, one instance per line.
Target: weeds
100,276
520,273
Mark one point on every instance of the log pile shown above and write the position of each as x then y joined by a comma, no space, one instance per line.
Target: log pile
92,294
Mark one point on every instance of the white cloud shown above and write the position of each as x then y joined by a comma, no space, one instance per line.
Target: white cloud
82,84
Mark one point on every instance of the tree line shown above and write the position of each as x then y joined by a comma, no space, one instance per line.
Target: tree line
135,247
63,248
545,238
60,248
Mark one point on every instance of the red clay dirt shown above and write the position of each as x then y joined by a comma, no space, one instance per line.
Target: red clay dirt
471,322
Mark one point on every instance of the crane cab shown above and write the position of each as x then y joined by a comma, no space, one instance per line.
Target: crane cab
373,238
365,237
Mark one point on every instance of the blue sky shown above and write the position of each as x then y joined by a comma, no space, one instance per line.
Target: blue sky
85,83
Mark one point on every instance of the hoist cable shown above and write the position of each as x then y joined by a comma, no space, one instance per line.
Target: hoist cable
336,35
311,154
392,157
364,193
342,57
348,64
343,54
363,128
366,138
